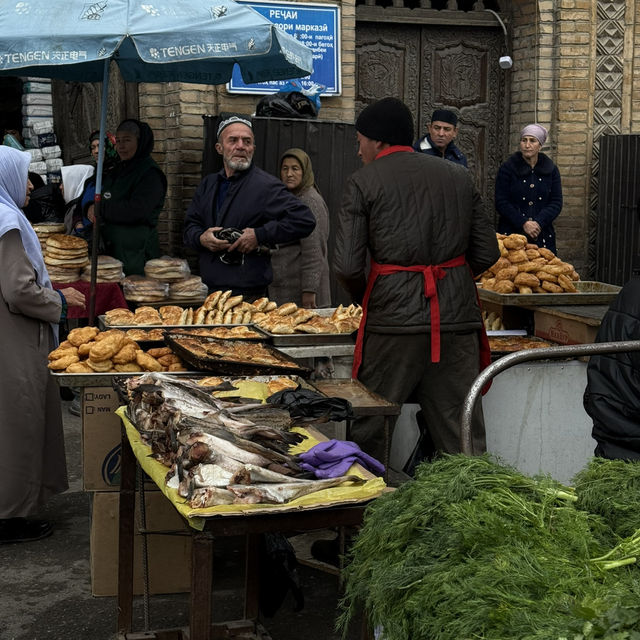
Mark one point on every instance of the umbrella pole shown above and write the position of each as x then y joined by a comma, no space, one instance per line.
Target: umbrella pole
98,195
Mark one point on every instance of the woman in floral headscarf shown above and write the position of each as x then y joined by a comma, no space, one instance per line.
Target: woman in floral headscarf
301,269
529,191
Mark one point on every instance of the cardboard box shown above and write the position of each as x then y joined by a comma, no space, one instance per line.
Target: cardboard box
563,330
101,439
169,555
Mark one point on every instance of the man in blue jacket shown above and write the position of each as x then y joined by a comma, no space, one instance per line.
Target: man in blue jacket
440,136
243,197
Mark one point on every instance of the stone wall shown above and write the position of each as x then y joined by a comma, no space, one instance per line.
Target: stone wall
175,111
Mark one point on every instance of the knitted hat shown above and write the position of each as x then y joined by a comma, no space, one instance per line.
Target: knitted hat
444,115
388,120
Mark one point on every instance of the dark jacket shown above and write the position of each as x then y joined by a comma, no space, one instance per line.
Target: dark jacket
451,152
132,198
412,209
254,199
523,193
612,396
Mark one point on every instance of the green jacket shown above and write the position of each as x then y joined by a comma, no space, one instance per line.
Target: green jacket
132,198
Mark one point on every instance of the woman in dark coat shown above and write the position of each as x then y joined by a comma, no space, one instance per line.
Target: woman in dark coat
528,191
612,396
132,197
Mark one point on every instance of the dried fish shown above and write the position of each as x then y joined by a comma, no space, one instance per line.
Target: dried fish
286,491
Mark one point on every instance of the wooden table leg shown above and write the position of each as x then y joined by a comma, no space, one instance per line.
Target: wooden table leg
252,577
126,535
201,584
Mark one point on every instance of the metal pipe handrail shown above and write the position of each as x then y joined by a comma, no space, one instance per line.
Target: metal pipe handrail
545,353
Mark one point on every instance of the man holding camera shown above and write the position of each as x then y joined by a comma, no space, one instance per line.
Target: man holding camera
238,213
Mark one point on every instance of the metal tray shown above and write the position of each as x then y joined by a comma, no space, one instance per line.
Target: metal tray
311,339
182,331
103,326
105,379
589,292
236,368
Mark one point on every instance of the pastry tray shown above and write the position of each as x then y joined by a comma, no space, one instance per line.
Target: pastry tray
103,326
106,379
232,367
311,339
589,292
185,330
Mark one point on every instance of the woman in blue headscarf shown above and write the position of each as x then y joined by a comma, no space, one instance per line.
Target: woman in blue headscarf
33,462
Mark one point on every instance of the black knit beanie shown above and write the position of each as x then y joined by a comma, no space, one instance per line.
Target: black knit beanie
444,115
388,120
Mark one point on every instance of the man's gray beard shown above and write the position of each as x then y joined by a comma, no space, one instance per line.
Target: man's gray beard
239,165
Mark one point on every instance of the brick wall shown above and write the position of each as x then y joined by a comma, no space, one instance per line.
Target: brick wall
175,110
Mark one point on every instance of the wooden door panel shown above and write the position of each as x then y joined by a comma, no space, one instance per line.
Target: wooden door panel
459,70
387,57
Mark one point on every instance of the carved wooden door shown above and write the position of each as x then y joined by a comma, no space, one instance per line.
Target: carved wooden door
431,67
77,108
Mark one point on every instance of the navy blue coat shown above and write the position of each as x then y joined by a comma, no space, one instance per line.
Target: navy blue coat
523,193
254,199
451,152
612,396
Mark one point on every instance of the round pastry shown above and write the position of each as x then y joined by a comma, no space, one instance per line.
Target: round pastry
545,253
551,287
525,279
517,255
515,241
504,286
507,274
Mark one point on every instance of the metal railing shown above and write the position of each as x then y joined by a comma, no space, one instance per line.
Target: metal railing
546,353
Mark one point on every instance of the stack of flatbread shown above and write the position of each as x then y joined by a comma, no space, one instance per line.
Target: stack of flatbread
167,269
139,289
109,270
65,256
188,289
45,229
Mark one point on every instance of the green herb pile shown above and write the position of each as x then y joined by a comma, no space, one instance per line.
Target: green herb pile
473,549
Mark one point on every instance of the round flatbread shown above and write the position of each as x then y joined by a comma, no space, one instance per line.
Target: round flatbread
61,241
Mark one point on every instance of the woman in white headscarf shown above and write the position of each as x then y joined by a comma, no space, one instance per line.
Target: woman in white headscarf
529,191
33,461
74,178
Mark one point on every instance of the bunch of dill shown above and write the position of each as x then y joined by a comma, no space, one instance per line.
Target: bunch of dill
472,549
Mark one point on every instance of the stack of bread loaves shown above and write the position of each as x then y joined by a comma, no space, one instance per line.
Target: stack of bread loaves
191,288
526,268
139,289
108,270
167,269
65,256
45,229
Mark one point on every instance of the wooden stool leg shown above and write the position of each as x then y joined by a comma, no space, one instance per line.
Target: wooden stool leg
252,577
125,536
201,583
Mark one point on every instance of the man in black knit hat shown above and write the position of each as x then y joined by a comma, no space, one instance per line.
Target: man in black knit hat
421,222
438,141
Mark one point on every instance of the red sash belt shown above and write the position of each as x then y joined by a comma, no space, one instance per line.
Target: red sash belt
431,274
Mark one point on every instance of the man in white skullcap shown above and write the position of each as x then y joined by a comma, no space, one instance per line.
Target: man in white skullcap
248,200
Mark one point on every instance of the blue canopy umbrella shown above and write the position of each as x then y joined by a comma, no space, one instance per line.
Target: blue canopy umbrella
154,41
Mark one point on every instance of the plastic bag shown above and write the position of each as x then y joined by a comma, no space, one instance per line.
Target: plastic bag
313,92
291,104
